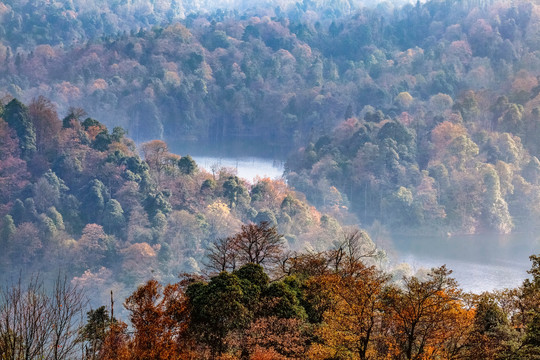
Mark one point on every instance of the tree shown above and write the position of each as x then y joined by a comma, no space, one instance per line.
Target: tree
156,154
13,172
35,325
75,115
65,306
113,217
347,257
17,117
421,312
353,324
95,331
94,197
217,308
8,229
491,335
93,246
116,343
26,243
495,207
43,115
258,244
159,317
276,338
187,165
235,191
221,255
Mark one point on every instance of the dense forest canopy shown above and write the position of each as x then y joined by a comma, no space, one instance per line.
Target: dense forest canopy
77,197
429,110
325,305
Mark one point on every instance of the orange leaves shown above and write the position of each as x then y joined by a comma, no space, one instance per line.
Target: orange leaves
159,317
443,134
115,346
276,338
353,319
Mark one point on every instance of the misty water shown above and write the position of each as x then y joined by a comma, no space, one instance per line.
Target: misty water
245,167
248,159
479,262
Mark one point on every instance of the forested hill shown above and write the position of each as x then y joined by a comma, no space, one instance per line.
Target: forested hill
276,75
77,198
441,96
25,23
449,135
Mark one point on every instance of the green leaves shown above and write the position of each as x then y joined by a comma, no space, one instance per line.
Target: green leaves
17,117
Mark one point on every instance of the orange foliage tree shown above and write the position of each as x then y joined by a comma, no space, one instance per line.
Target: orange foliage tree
159,317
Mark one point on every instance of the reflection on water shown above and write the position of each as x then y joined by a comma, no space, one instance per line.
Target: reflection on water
480,262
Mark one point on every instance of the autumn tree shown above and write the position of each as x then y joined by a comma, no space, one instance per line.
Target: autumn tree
421,312
353,324
276,338
43,115
159,316
116,343
156,154
258,244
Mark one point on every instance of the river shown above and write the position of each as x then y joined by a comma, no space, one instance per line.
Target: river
479,262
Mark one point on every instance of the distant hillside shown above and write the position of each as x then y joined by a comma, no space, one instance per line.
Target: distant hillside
442,99
76,197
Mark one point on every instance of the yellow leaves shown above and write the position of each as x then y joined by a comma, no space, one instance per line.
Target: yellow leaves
177,31
218,208
404,99
172,78
443,135
139,260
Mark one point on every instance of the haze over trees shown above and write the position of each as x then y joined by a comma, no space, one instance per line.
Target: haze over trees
403,108
421,117
80,199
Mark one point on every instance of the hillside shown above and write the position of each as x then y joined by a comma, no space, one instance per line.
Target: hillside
77,198
459,93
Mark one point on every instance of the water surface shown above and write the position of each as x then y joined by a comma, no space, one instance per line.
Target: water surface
479,262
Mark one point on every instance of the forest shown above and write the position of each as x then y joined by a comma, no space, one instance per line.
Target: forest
324,305
77,197
410,118
427,111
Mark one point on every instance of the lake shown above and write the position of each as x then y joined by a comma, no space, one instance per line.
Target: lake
479,262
